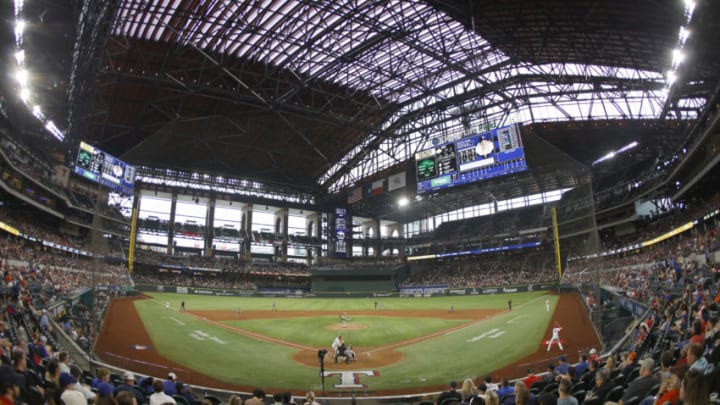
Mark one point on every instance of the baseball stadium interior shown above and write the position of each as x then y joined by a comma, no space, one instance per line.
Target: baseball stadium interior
320,149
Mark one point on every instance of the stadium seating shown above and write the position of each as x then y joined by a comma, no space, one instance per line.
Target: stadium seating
647,276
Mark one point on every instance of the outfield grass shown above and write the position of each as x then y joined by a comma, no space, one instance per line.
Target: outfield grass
472,351
204,302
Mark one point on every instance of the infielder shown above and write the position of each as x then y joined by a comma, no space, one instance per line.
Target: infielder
547,305
555,337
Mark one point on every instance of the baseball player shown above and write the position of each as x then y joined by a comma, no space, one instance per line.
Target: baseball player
555,337
337,343
547,305
343,319
167,305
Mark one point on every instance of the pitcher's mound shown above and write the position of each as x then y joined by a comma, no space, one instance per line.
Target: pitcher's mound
350,326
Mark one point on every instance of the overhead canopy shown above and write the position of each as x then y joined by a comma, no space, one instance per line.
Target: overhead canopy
317,95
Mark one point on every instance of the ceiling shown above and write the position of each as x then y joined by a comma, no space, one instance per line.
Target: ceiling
306,94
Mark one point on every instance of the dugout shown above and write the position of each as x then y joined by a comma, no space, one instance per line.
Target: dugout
356,280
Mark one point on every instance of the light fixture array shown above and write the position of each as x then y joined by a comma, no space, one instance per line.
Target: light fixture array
22,75
678,56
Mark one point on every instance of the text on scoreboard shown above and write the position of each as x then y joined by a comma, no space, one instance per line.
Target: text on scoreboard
104,168
477,157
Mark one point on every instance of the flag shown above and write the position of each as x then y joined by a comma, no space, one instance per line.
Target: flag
377,187
355,195
396,181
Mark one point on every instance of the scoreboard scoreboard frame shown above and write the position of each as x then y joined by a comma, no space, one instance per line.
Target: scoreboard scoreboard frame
474,158
101,167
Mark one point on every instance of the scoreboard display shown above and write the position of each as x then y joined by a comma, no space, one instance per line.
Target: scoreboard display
477,157
101,167
436,162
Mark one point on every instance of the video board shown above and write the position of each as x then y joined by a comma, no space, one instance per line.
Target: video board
104,168
477,157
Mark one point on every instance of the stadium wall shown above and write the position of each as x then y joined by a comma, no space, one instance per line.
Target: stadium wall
355,280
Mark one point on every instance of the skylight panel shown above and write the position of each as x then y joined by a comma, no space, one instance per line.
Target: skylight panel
169,9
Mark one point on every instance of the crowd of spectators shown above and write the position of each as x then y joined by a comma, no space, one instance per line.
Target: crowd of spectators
666,262
33,225
28,162
648,229
250,280
488,270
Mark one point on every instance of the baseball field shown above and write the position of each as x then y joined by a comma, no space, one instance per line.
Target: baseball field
403,345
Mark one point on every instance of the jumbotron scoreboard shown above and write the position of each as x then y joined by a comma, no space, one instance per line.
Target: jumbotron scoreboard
101,167
474,158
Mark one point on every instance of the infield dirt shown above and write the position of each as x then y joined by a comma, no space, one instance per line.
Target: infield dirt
123,332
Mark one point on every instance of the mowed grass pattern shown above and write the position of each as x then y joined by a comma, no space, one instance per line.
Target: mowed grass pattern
470,351
206,303
380,330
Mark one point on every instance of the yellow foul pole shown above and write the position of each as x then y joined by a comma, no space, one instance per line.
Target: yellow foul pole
556,238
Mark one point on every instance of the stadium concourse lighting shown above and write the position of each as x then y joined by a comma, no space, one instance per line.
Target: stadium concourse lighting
403,201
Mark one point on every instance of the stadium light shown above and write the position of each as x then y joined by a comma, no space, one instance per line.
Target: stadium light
22,77
671,77
25,94
677,56
403,201
689,9
683,35
19,27
18,6
37,112
50,126
614,153
19,30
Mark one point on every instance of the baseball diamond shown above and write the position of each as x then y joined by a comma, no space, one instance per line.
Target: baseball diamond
409,350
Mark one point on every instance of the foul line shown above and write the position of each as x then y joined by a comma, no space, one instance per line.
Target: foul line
177,321
418,339
247,333
516,318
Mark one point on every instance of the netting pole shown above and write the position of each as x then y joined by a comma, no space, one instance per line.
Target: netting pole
556,237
